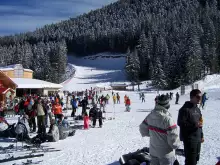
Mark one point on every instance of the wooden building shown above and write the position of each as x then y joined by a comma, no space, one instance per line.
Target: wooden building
7,87
17,71
119,87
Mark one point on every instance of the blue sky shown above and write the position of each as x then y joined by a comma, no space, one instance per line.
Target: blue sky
26,15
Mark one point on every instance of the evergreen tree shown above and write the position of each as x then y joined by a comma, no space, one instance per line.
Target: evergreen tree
158,77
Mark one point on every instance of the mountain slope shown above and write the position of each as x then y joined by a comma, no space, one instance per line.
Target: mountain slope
98,72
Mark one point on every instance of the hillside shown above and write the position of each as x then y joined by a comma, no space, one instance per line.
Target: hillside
95,71
171,42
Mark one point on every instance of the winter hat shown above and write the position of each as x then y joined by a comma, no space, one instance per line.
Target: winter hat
163,100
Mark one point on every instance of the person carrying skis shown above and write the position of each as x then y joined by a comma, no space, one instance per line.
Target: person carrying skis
128,103
177,98
162,130
190,122
204,98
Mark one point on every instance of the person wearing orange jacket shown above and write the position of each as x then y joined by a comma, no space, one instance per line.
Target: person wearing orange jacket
127,104
57,110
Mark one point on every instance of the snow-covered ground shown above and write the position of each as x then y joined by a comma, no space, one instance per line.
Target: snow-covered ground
98,72
104,146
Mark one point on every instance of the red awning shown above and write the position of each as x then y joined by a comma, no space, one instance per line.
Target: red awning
5,90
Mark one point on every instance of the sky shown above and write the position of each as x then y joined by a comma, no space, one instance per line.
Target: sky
18,16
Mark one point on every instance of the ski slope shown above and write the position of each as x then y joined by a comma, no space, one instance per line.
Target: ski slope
95,72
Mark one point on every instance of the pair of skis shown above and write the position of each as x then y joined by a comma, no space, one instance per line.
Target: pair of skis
35,152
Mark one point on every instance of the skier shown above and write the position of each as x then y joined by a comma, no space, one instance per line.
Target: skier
142,97
96,113
86,121
114,99
107,98
41,117
125,99
84,104
191,122
177,98
171,95
118,99
163,135
204,98
128,103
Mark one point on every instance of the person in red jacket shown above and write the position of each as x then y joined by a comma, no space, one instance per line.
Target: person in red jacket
127,104
86,121
57,110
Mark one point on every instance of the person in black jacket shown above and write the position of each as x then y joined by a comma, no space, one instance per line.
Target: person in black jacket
84,104
95,114
190,122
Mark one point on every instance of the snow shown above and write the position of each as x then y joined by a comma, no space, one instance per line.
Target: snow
34,83
95,72
104,146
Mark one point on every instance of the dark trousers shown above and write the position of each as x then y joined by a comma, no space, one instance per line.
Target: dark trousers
73,112
2,114
94,121
83,110
192,152
41,124
32,123
177,100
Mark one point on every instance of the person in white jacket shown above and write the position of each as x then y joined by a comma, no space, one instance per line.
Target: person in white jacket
162,130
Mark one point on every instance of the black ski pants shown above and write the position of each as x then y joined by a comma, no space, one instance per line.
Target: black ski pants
192,152
83,110
73,112
32,123
94,121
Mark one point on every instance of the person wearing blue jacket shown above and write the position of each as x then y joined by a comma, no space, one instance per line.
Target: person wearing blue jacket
204,98
74,106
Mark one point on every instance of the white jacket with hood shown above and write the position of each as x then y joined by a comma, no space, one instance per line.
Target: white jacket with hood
162,130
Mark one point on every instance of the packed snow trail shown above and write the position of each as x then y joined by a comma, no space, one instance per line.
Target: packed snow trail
98,72
104,146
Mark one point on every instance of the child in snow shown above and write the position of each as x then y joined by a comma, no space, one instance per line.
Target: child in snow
86,121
